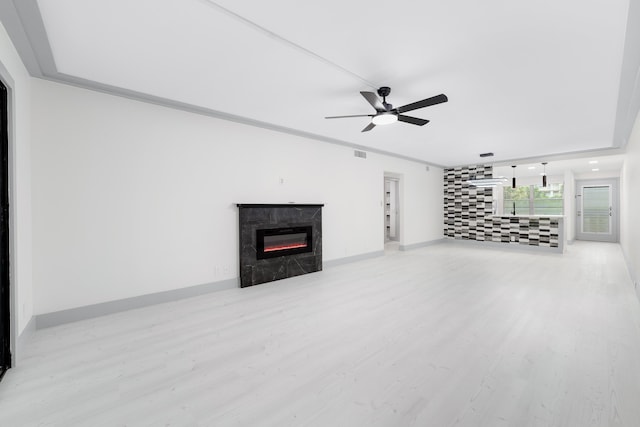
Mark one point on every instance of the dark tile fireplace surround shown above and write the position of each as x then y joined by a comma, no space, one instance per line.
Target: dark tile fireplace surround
278,241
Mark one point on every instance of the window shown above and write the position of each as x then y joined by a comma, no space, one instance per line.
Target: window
548,200
533,200
516,200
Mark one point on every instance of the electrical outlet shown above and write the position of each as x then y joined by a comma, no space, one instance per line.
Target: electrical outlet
226,269
216,271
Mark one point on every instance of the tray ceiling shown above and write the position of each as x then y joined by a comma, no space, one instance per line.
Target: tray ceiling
524,79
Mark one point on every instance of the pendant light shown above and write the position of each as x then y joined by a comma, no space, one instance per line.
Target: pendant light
544,174
513,180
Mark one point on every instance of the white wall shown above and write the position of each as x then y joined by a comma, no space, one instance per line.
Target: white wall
569,206
15,75
131,198
421,200
597,175
630,203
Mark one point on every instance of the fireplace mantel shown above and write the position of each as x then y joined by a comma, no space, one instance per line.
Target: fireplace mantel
279,205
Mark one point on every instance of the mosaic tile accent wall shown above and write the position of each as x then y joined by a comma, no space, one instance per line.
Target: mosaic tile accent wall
466,207
468,214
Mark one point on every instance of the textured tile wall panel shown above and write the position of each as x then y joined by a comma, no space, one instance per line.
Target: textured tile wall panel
468,213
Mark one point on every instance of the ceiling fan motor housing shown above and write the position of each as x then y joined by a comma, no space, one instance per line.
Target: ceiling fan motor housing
384,91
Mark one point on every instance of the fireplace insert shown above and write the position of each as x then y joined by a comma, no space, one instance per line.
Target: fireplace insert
276,242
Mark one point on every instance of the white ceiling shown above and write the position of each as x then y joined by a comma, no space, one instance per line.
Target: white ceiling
586,167
524,79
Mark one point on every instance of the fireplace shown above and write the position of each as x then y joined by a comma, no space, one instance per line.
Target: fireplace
279,241
275,242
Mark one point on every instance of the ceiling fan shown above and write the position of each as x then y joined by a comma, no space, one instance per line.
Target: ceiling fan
386,114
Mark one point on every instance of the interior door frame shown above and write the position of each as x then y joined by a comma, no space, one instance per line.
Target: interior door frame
392,201
9,83
614,183
5,282
399,205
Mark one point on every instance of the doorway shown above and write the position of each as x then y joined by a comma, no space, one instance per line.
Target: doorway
5,316
597,210
391,209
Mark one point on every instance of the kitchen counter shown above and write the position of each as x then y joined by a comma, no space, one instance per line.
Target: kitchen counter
541,231
524,216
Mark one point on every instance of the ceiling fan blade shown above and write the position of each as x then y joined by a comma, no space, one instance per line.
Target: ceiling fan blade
373,99
412,120
438,99
369,127
357,115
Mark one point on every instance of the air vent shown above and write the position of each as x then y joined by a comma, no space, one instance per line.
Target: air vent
361,154
486,155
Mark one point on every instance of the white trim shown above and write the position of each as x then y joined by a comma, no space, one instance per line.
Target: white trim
26,335
635,280
349,259
421,244
56,318
628,99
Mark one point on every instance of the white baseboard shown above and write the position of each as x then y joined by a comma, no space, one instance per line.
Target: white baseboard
635,280
421,244
56,318
349,259
23,339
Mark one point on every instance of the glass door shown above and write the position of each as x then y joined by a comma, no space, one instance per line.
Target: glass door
597,211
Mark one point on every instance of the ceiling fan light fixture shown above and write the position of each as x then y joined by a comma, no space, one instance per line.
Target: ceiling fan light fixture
384,119
386,114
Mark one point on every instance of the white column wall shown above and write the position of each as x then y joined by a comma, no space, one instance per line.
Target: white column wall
569,206
131,198
630,205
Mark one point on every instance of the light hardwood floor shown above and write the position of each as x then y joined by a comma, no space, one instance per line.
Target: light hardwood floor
448,335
